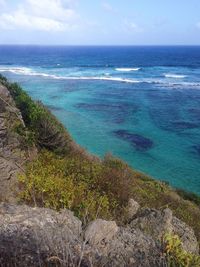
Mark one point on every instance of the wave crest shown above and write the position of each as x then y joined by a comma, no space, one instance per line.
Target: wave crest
28,71
127,69
176,76
106,77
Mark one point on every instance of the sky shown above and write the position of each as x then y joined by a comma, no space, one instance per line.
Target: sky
100,22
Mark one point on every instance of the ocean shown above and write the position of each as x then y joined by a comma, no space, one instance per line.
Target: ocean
140,103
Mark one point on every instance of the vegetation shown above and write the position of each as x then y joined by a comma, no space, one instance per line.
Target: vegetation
42,128
189,196
176,255
57,182
91,189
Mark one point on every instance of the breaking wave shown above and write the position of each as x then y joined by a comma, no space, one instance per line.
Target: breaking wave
105,77
176,76
127,69
28,71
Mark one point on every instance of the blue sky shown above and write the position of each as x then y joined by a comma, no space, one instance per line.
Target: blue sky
96,22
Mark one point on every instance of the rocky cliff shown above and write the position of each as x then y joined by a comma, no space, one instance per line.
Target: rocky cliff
12,153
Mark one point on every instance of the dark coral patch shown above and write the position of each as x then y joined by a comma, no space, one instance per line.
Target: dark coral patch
196,149
183,125
113,112
93,107
195,112
139,142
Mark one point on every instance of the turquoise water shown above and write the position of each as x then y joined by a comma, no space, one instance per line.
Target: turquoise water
139,103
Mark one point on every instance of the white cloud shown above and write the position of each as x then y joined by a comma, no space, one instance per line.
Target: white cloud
43,15
21,20
131,26
53,9
108,7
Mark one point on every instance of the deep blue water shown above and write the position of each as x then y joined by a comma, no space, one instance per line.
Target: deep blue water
140,103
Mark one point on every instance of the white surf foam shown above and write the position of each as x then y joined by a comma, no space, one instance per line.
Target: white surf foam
102,78
25,71
127,69
162,82
29,71
16,70
176,76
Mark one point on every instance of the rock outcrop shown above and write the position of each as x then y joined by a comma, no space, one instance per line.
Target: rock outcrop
156,223
100,231
43,237
132,208
12,153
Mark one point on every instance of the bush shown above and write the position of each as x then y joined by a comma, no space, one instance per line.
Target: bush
176,255
55,182
90,188
41,125
3,79
189,196
116,179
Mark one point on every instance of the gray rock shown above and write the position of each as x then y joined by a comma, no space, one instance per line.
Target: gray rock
43,237
100,231
12,151
122,246
153,222
132,208
186,235
31,236
157,223
131,248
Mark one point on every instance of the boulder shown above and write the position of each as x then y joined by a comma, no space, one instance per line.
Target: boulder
132,208
31,236
132,248
156,223
186,235
100,232
44,237
122,246
153,222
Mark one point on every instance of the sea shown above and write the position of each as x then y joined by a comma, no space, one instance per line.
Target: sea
140,103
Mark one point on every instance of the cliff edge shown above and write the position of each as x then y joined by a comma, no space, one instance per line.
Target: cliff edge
13,155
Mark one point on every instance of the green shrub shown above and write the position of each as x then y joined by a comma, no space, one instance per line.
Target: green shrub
176,255
116,179
3,79
189,196
55,182
42,127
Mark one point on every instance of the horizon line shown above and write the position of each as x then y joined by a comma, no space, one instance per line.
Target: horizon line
99,45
